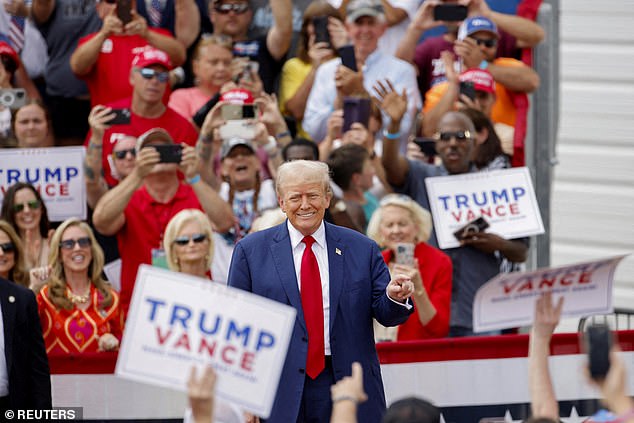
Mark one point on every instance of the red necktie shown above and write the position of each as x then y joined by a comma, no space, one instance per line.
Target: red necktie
313,309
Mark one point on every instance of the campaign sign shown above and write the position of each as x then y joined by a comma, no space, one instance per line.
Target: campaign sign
57,173
177,321
504,198
508,300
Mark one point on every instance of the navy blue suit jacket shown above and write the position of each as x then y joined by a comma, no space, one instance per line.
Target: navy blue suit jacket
24,351
262,263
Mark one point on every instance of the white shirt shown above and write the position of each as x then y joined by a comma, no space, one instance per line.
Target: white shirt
320,249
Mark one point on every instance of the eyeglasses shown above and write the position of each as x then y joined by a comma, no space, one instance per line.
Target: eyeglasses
184,240
487,43
460,136
7,247
33,205
237,8
148,73
69,244
123,153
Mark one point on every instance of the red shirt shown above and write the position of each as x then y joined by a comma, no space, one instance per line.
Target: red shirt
181,130
436,271
145,222
109,78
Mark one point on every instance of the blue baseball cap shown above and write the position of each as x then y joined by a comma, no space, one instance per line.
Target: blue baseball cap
476,24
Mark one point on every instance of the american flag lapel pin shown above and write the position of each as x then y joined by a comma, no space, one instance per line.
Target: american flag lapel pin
337,251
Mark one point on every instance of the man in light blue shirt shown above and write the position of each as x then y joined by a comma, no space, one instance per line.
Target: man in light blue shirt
365,24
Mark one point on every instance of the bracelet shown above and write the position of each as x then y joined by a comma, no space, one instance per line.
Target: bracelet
484,65
393,136
283,134
345,398
192,181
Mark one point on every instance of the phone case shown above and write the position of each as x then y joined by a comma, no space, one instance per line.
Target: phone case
348,58
355,110
473,227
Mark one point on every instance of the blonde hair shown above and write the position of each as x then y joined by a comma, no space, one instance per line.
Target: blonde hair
268,219
19,273
299,171
57,279
175,226
420,217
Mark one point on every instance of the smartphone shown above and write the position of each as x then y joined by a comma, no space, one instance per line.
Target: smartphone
121,117
467,88
238,128
239,111
598,342
473,227
249,69
13,98
450,12
169,153
320,24
124,8
348,58
404,253
355,109
427,146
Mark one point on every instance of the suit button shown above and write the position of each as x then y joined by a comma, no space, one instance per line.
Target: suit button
302,371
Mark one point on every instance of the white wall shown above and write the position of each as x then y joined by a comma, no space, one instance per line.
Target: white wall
593,192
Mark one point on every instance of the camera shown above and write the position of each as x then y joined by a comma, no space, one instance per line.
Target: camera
13,98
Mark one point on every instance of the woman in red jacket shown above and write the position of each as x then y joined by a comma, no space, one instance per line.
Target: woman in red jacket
402,227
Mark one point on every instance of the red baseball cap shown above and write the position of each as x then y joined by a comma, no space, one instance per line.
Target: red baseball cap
238,96
151,56
482,79
6,50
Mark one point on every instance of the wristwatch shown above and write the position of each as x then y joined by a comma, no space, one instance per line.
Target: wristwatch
340,206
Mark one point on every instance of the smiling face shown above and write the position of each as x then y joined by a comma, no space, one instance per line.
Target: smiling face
7,257
305,204
29,217
77,258
31,126
241,166
365,33
397,226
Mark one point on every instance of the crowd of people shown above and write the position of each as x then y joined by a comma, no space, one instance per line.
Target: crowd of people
205,122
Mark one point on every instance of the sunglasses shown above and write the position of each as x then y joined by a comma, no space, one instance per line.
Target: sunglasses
123,153
460,136
33,205
237,8
487,43
7,247
69,244
184,240
148,73
109,1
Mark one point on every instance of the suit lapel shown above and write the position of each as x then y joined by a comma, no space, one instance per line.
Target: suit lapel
336,252
8,320
283,259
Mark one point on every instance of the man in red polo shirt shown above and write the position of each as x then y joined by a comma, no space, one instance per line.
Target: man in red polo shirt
139,208
148,77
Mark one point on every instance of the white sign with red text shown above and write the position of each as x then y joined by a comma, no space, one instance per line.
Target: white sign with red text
57,173
177,321
504,198
508,300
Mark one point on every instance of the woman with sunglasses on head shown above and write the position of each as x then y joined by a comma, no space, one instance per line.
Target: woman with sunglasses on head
402,227
24,210
12,265
188,243
79,310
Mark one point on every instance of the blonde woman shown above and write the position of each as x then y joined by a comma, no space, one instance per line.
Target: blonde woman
12,264
401,222
79,310
188,243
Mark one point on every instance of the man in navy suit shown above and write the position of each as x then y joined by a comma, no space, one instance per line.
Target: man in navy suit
352,286
25,373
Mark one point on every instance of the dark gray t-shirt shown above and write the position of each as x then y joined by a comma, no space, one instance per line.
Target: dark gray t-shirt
69,21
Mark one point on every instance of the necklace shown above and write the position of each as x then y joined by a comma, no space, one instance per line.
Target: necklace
77,299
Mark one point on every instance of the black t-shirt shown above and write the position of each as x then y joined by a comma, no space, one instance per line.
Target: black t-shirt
256,50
